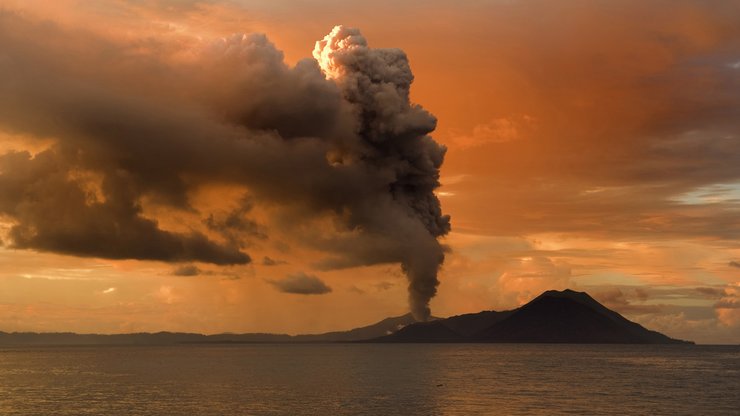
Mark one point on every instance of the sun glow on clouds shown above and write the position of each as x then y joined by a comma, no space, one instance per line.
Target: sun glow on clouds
605,162
711,194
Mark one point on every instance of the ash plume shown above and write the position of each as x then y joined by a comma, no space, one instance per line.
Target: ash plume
394,140
331,137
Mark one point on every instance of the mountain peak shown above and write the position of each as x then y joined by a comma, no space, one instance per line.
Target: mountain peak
566,293
563,292
554,316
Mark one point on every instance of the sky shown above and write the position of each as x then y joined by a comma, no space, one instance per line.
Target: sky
205,166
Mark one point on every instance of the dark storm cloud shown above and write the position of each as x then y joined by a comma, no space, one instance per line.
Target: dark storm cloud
186,270
153,121
54,213
301,284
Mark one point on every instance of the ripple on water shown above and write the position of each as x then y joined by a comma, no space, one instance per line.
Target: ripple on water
328,379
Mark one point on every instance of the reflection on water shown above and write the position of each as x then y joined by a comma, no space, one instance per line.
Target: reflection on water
329,379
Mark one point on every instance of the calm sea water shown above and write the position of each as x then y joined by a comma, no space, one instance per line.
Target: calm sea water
354,379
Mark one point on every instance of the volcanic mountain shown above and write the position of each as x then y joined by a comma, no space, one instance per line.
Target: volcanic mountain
552,317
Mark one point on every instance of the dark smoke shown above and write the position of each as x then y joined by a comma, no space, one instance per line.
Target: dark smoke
336,138
376,82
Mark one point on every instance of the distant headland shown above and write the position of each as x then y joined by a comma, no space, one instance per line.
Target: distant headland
553,317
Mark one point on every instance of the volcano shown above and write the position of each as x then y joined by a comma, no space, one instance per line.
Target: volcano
553,317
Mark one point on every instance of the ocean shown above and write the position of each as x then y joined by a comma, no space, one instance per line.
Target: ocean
371,379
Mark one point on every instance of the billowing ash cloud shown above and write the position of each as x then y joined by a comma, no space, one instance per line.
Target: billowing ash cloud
53,212
136,123
376,82
301,284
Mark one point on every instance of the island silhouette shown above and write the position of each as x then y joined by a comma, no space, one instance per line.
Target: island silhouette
553,317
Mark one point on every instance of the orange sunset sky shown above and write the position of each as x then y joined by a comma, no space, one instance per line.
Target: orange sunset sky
592,145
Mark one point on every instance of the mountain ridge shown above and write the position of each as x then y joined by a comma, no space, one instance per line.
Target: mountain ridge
375,330
552,317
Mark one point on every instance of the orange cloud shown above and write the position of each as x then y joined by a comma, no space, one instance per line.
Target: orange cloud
621,178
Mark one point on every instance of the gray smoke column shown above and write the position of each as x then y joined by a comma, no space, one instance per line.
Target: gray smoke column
394,139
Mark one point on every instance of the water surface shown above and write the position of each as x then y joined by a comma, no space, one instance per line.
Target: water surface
372,379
